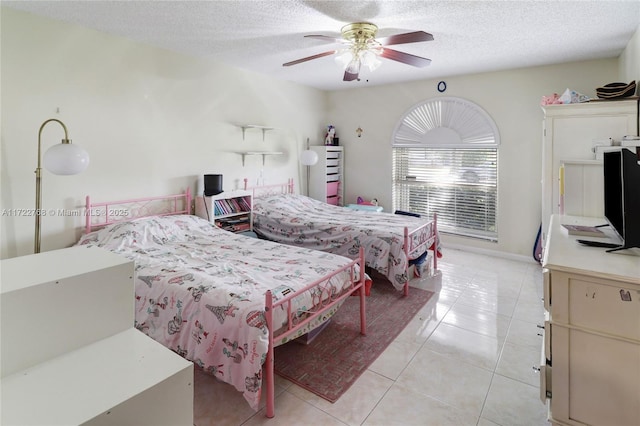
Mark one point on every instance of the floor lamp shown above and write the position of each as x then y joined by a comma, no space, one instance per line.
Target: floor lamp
61,159
308,158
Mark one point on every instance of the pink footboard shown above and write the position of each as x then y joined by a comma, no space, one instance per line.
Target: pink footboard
425,240
327,302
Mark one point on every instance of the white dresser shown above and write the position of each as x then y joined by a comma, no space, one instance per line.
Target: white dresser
590,372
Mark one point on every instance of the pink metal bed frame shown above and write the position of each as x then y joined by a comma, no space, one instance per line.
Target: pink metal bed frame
106,213
425,240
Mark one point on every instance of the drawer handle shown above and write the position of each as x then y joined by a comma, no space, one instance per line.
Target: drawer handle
537,369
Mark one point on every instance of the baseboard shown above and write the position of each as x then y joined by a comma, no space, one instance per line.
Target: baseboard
495,253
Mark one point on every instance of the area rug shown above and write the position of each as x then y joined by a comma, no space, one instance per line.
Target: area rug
335,359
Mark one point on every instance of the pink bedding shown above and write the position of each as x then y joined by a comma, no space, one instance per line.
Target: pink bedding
302,221
200,290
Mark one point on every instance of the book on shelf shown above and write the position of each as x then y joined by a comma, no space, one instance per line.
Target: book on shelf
584,231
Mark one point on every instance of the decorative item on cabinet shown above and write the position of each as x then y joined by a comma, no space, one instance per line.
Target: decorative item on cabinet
231,211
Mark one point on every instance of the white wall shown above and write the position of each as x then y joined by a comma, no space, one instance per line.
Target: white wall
511,98
630,61
152,121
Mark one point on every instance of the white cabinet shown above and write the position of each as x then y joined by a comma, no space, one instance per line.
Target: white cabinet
70,352
326,181
231,211
592,335
569,134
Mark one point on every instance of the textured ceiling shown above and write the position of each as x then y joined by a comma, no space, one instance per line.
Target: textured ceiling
469,36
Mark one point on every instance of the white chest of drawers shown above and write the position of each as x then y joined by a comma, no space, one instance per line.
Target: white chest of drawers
591,362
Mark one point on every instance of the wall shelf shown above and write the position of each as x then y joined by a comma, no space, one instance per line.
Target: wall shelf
244,128
263,153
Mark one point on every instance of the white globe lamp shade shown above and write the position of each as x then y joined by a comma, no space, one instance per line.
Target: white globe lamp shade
66,159
308,157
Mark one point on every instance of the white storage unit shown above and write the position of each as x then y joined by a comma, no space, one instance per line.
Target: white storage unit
569,134
591,362
326,181
228,210
70,352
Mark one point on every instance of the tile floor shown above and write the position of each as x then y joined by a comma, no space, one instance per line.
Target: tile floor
466,359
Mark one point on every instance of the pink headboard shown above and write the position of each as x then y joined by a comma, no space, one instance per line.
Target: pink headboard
279,188
102,214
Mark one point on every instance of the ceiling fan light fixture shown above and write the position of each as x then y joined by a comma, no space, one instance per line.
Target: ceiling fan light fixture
354,66
344,57
370,60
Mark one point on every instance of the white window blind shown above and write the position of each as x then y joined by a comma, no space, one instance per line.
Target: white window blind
445,161
458,184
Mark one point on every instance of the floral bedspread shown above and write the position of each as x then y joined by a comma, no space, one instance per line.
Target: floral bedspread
302,221
200,290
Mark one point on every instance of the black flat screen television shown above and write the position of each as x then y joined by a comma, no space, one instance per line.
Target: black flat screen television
622,195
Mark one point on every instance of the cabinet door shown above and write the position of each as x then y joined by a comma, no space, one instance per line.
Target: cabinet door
569,134
596,379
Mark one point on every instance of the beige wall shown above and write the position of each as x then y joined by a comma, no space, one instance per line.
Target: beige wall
152,121
630,60
511,98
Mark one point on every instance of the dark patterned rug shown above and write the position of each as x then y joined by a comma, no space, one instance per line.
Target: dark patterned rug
335,359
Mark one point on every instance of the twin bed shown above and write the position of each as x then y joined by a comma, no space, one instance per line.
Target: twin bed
219,299
225,300
390,241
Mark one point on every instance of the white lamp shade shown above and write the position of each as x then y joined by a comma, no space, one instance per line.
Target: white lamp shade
308,157
66,159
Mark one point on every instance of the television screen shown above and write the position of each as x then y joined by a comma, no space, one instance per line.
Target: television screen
631,196
622,194
613,203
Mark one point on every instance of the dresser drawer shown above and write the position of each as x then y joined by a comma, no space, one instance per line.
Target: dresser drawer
332,189
595,304
333,154
333,200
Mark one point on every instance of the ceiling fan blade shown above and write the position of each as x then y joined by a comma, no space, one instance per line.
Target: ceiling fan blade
412,37
405,58
349,76
308,58
325,38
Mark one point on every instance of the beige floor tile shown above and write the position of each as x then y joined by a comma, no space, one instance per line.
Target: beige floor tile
513,403
525,333
291,410
465,345
403,407
449,380
424,322
478,320
517,362
503,305
395,358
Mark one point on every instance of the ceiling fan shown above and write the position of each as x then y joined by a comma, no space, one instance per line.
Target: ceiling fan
362,48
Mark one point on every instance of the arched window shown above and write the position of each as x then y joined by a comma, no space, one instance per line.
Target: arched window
445,161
